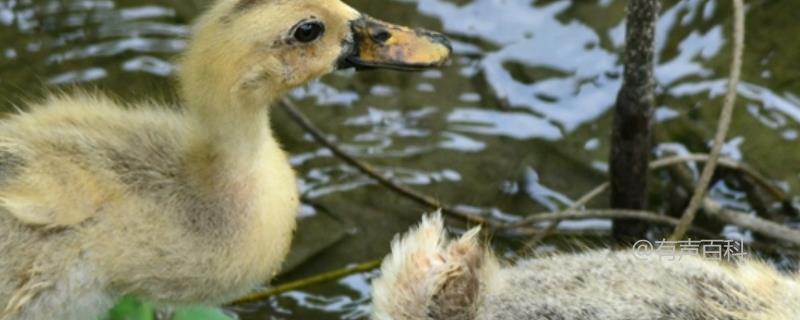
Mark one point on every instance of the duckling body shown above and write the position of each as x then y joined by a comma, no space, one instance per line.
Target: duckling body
124,195
428,276
196,204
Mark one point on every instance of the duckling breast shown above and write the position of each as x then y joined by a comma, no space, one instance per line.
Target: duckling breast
261,203
259,247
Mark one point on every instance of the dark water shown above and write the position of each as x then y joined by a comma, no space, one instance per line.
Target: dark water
518,123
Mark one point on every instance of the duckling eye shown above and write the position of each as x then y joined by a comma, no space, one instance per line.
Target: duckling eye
309,31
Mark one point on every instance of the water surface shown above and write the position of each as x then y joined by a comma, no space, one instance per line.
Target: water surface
517,123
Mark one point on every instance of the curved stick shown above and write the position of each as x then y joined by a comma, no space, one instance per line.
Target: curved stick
724,123
367,169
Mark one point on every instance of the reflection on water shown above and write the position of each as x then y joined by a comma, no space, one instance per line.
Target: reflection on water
510,124
763,100
89,41
517,123
585,76
574,81
351,301
327,180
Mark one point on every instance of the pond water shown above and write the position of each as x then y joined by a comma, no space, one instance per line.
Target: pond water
517,123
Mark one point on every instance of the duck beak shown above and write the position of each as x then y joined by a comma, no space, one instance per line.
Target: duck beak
377,44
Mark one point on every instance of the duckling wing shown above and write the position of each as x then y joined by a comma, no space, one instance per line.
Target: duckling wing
57,160
41,189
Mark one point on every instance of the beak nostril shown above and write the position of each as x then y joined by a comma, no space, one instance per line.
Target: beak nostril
441,39
381,35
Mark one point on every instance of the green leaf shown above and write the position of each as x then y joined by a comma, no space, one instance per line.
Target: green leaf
200,313
130,308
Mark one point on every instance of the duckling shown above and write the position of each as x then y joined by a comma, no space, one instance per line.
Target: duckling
428,276
100,199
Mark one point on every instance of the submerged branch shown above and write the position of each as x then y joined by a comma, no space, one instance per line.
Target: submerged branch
306,282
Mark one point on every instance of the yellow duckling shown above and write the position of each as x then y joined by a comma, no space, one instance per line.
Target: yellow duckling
427,277
197,205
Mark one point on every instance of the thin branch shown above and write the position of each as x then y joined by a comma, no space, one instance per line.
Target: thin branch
602,214
758,178
527,232
367,169
654,165
674,160
577,205
306,282
752,222
722,129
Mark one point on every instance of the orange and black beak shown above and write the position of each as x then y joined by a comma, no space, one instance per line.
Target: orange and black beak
377,44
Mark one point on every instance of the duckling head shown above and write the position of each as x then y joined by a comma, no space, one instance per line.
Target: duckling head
428,276
252,51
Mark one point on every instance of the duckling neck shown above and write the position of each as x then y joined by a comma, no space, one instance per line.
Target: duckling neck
229,138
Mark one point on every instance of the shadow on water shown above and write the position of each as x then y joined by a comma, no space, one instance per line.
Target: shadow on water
518,123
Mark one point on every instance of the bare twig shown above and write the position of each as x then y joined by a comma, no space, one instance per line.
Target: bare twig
577,205
529,231
367,169
658,164
759,179
724,124
601,214
777,193
752,222
674,160
306,282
